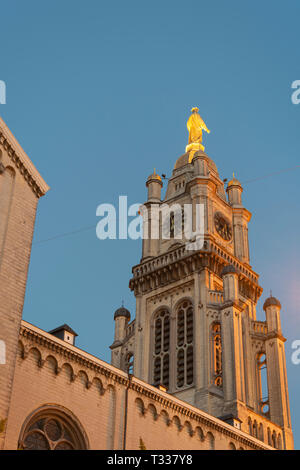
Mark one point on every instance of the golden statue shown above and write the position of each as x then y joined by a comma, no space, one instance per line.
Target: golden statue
195,126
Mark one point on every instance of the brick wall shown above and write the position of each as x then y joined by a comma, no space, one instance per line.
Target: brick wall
52,372
17,216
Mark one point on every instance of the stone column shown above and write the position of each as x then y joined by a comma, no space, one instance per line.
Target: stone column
276,371
232,342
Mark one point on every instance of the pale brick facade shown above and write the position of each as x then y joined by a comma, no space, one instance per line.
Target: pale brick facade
51,373
54,395
20,187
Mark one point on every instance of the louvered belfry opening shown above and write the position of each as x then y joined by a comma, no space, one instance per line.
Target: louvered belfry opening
217,355
185,355
161,372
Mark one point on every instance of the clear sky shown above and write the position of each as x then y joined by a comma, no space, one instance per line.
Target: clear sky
98,94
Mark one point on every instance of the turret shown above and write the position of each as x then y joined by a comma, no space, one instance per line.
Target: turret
154,185
121,317
272,307
234,190
232,334
240,217
150,239
276,371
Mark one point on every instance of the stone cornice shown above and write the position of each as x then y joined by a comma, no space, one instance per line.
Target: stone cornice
234,304
68,351
22,161
39,337
196,414
179,253
242,211
275,335
178,263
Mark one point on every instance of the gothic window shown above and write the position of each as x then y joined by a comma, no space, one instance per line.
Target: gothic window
261,432
161,363
129,363
211,441
250,426
269,437
177,224
216,355
185,354
274,440
263,383
51,430
255,429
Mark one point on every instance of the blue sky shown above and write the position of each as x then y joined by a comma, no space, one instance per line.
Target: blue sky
98,94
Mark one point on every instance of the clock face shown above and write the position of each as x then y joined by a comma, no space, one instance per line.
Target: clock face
223,227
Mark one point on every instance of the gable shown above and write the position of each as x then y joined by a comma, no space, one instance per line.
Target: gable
22,161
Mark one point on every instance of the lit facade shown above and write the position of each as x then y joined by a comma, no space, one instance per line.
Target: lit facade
195,333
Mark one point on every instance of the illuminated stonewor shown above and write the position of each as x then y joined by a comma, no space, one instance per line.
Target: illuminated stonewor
194,345
195,330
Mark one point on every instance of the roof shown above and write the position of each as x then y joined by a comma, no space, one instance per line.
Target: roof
154,176
271,301
230,416
234,182
182,161
122,312
63,327
22,160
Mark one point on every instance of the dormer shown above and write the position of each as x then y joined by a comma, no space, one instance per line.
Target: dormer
65,333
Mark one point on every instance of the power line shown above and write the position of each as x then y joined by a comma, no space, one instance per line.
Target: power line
90,227
66,234
271,174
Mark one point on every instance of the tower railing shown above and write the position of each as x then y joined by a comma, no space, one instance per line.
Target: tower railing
130,328
215,297
259,327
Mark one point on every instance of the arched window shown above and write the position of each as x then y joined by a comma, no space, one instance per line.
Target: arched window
269,437
177,222
52,429
217,354
185,354
263,383
211,441
261,432
7,184
274,440
250,426
129,363
255,428
161,362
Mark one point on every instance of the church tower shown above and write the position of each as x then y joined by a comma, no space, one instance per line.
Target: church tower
195,331
21,186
